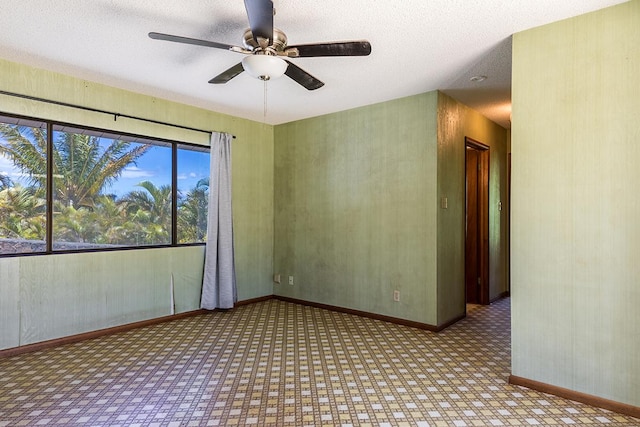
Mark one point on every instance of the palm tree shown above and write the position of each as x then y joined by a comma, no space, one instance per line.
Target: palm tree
75,225
22,213
82,165
86,169
192,214
106,224
113,220
151,209
27,148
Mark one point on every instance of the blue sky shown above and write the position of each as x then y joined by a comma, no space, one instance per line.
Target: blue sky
155,166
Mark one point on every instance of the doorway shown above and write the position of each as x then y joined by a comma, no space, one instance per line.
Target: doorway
476,222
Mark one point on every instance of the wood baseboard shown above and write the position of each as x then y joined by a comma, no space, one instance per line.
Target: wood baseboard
28,348
384,318
42,345
610,405
253,300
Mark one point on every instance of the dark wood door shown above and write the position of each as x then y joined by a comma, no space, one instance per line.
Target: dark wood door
477,223
472,258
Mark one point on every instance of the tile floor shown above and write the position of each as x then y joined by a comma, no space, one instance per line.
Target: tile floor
278,363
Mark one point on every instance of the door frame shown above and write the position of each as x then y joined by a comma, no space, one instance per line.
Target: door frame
483,216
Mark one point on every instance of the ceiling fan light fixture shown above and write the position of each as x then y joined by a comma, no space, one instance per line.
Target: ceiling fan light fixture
264,67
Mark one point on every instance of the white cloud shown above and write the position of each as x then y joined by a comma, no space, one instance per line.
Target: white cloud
135,172
190,175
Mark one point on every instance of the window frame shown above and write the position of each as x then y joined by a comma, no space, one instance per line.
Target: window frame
53,126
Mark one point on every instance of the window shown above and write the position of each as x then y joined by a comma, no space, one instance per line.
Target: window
193,193
109,191
23,202
105,190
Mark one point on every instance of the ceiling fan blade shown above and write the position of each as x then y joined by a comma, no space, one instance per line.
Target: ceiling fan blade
351,48
302,77
260,14
187,40
227,75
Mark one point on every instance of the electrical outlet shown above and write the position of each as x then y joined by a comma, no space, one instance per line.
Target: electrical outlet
291,280
276,278
396,296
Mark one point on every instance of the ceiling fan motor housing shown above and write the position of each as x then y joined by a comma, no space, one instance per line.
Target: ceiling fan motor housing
269,47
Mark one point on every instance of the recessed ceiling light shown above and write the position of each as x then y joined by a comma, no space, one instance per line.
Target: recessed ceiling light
478,79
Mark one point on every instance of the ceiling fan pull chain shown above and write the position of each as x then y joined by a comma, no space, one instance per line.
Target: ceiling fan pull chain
264,107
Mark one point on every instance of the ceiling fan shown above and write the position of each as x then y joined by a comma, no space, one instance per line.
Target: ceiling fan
265,46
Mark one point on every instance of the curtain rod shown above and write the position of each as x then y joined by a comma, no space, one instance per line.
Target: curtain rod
96,110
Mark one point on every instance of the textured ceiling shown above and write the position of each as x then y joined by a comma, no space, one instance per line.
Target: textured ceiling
417,46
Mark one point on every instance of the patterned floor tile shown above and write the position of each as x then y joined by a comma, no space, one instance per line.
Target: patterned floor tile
278,363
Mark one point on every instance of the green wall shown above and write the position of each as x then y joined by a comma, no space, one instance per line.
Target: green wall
354,212
575,204
45,297
357,207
